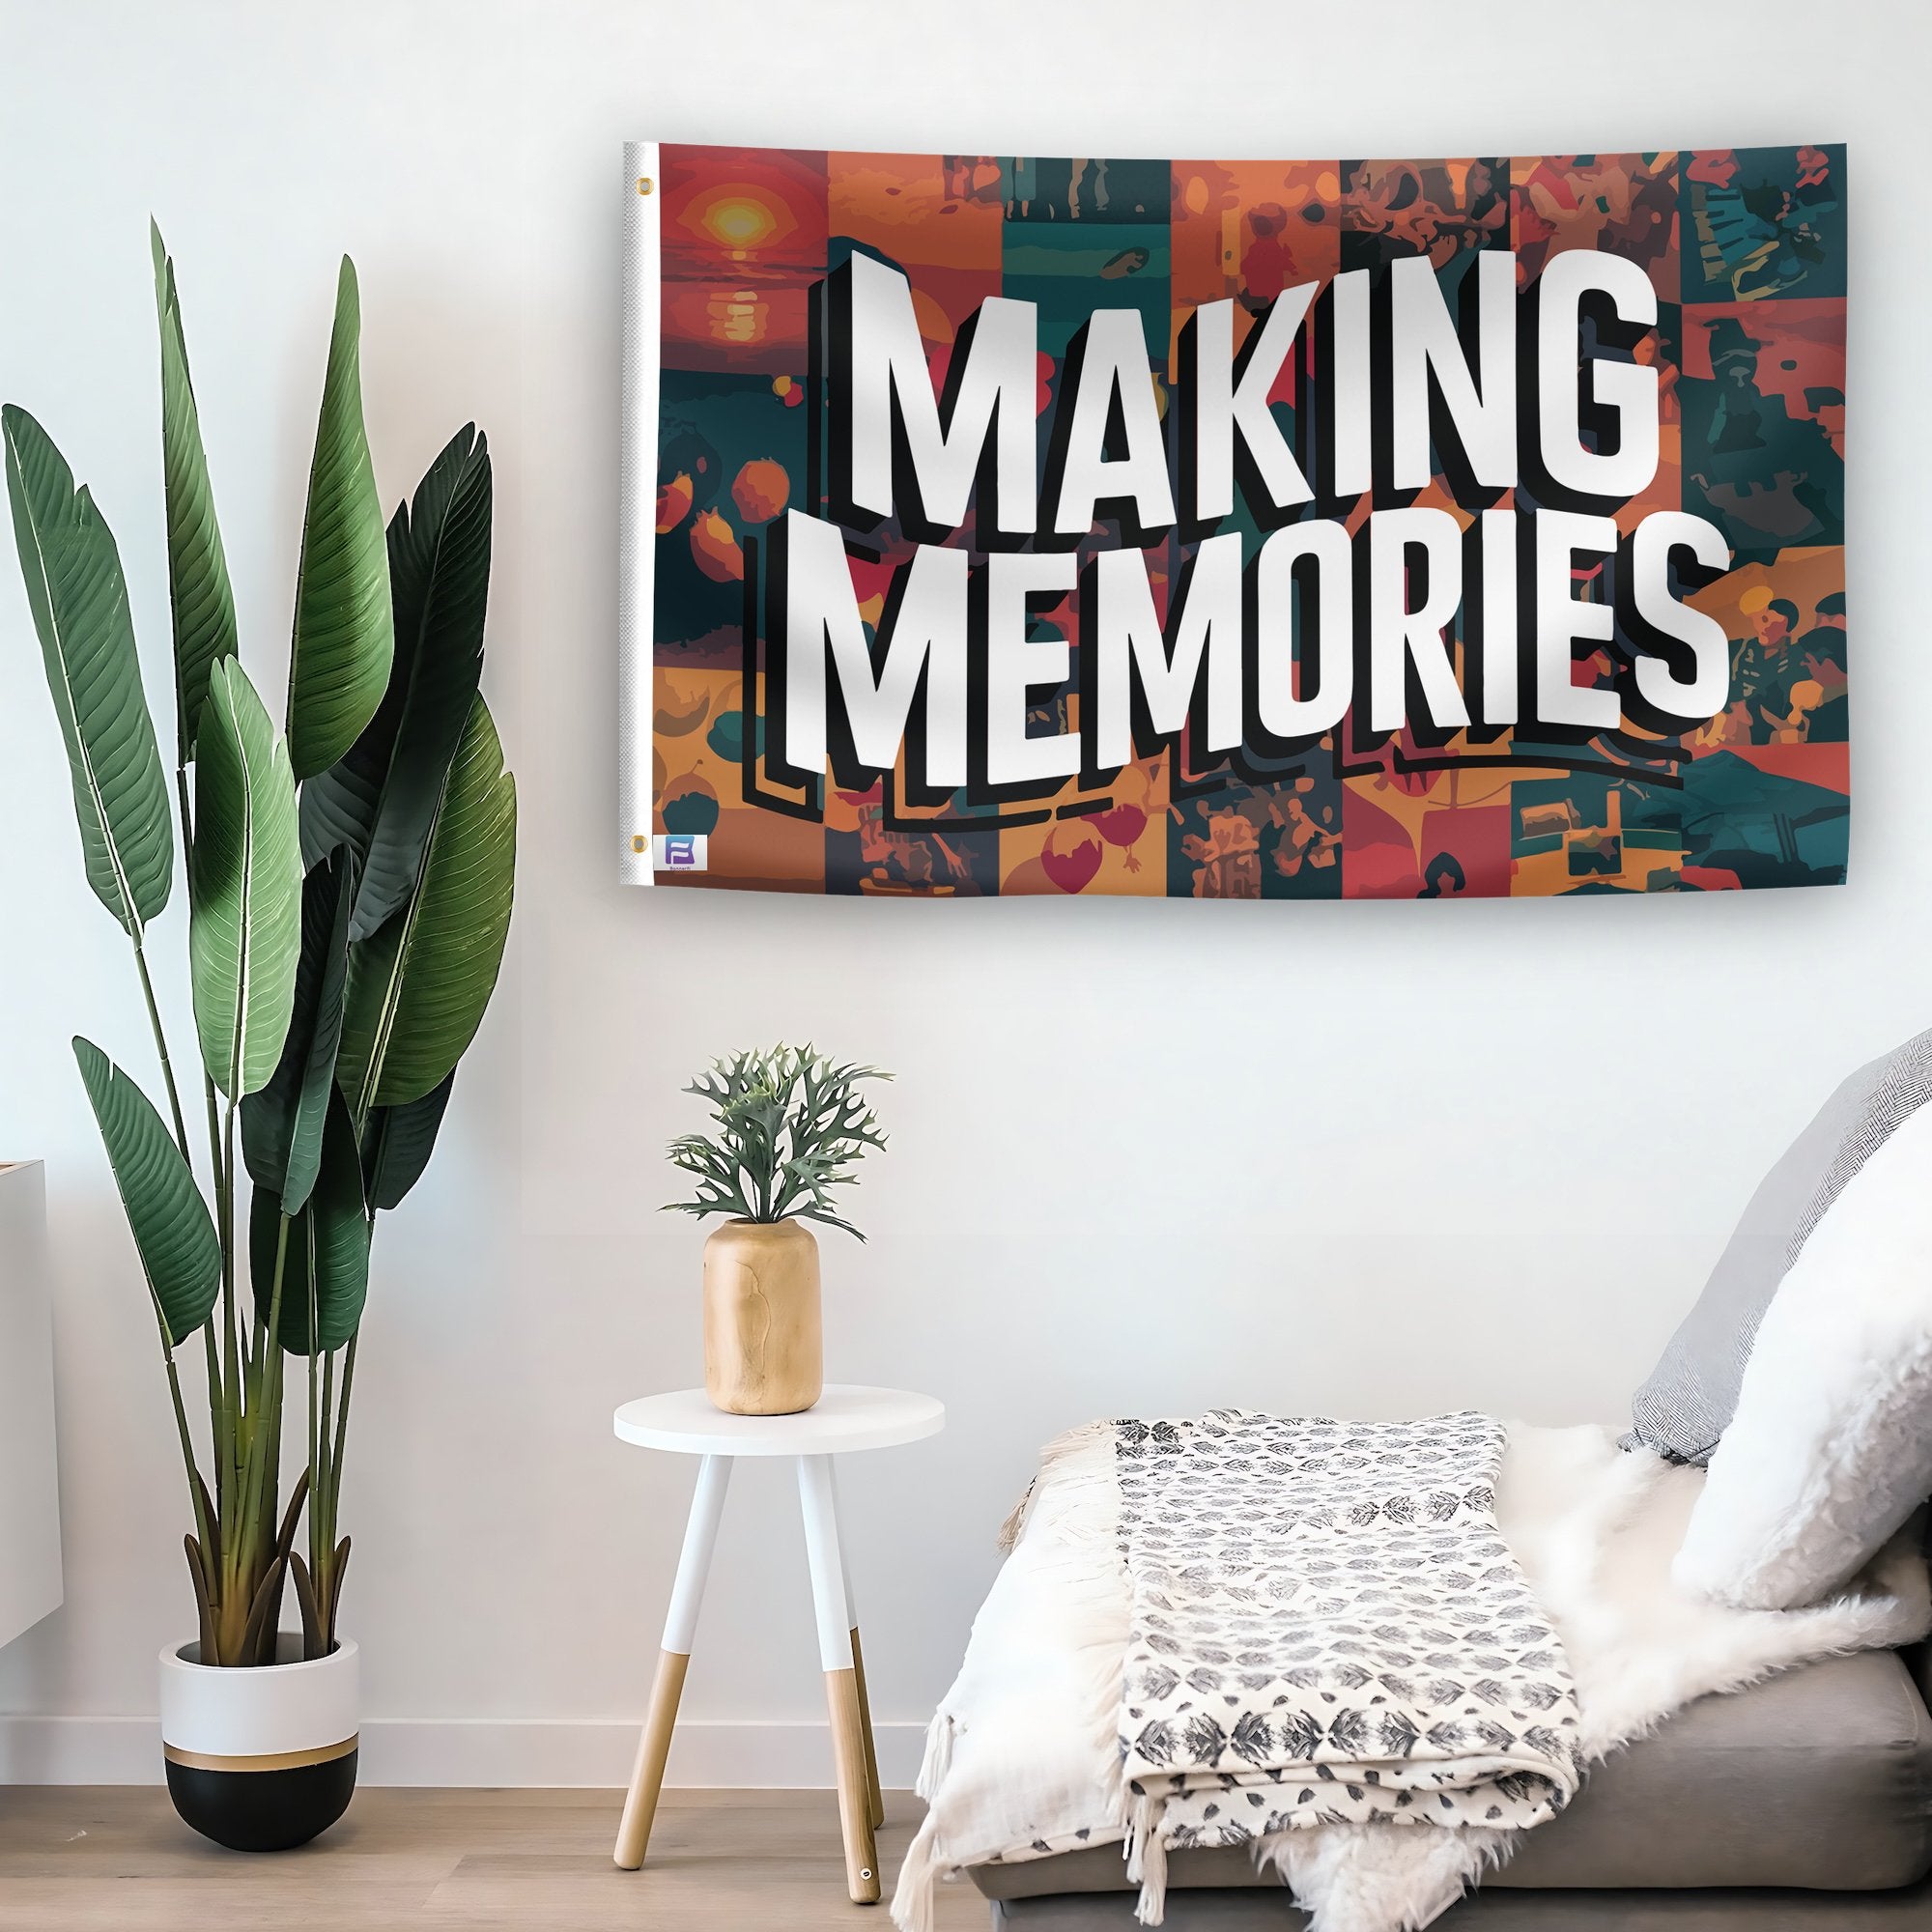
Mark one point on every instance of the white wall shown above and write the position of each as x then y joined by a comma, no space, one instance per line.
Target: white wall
1147,1156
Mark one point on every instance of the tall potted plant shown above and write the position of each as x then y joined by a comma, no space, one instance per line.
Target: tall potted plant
350,880
789,1126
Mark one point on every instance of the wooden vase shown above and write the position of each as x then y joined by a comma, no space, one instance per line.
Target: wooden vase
764,1349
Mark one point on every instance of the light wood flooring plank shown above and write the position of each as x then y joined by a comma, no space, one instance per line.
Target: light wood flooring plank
103,1858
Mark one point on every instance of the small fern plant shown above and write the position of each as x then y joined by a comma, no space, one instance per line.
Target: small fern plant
790,1126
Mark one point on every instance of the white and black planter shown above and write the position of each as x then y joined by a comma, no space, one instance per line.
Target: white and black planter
261,1760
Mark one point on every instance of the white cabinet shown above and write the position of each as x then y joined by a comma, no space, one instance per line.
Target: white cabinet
30,1558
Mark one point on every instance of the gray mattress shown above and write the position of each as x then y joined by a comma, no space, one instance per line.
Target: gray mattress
1813,1790
1252,1911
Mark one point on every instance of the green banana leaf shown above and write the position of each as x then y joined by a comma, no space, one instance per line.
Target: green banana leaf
281,1125
244,928
382,796
198,589
80,600
344,634
326,1265
397,1144
418,987
173,1232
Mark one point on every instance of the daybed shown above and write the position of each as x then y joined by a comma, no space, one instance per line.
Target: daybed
1654,1682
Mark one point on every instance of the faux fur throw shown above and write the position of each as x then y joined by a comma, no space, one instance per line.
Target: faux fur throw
1325,1627
1023,1758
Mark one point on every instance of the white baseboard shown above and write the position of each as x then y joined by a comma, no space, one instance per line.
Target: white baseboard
480,1751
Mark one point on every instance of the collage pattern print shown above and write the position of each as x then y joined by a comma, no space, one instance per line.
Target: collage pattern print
1746,249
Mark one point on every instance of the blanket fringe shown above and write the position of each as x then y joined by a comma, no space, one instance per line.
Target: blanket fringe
938,1758
1146,1857
1062,1446
912,1898
1015,1522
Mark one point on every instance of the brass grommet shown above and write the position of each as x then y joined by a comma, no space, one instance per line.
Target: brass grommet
643,184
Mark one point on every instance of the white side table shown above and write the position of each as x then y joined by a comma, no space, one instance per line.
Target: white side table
844,1418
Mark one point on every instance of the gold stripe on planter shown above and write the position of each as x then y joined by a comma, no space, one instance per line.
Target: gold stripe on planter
267,1761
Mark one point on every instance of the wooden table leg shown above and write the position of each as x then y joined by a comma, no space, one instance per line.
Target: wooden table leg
877,1797
694,1563
820,1512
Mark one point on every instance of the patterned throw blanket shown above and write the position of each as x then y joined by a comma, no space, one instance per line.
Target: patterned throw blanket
1326,1626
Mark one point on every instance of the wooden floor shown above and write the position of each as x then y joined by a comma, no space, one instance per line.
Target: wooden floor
75,1860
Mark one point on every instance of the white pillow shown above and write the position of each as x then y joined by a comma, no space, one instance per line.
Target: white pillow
1831,1449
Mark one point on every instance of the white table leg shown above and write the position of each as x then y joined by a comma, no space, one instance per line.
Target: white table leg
694,1564
875,1795
819,1507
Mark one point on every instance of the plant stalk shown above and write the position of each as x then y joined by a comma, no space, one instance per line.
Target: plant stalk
231,1361
321,1504
161,1047
194,1483
243,1567
218,1434
341,1427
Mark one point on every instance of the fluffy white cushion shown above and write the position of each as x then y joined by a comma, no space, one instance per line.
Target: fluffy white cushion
1831,1449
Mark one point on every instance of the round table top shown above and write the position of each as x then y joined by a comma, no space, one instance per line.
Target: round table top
845,1417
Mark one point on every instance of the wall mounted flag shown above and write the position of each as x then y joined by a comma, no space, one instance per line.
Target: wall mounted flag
1234,529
